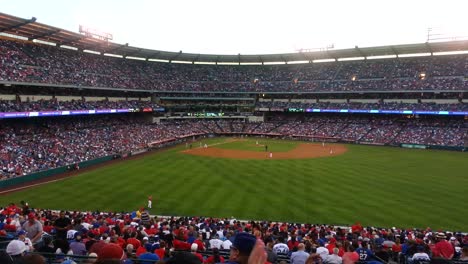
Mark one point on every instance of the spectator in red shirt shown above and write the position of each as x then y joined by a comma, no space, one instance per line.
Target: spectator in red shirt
443,248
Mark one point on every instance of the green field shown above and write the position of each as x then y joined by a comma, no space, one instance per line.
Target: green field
378,186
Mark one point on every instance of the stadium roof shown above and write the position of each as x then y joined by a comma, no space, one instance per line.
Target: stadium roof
32,30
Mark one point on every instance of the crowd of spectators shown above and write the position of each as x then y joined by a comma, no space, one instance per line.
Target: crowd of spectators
26,148
50,143
136,237
25,62
55,105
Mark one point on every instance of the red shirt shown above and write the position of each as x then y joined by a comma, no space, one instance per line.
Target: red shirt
350,257
135,242
181,245
291,244
201,246
396,248
199,256
210,259
140,251
160,252
443,249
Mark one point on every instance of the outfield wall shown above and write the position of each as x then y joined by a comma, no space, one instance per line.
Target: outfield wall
41,175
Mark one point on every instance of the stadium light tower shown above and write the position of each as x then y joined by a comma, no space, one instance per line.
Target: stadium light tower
94,33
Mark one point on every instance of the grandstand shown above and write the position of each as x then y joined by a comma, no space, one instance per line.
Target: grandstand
63,109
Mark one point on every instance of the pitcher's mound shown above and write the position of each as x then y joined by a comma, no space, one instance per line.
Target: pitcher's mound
303,151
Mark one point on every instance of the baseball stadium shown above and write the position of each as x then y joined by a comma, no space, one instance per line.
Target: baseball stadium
111,152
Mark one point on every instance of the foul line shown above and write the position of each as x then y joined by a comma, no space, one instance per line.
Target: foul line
29,186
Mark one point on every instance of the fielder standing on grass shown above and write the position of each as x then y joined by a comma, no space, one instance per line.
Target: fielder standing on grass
150,201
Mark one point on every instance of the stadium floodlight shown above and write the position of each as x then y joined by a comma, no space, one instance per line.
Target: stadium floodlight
274,62
158,60
414,55
250,63
205,62
442,53
183,62
381,57
92,51
298,62
44,42
352,59
134,58
323,60
113,55
228,63
68,47
94,33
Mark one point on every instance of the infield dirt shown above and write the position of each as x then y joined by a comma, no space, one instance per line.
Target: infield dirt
302,151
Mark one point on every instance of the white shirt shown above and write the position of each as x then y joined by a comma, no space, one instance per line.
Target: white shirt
226,244
220,234
334,259
281,248
216,243
421,256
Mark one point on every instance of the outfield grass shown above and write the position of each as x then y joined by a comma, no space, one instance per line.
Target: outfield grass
378,186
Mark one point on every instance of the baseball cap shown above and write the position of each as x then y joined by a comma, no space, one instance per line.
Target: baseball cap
111,251
21,232
31,215
15,247
244,242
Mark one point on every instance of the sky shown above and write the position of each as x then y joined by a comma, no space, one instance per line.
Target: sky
253,26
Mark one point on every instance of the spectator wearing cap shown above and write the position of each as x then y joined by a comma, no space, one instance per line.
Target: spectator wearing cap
33,228
241,248
26,240
110,252
443,248
300,256
16,250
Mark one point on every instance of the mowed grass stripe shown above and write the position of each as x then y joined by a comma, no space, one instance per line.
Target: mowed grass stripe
379,186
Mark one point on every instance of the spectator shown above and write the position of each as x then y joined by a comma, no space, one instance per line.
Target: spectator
300,256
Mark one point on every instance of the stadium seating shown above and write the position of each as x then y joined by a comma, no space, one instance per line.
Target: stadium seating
164,235
25,62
